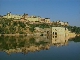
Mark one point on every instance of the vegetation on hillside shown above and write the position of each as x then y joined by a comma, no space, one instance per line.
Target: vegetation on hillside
75,39
74,29
8,26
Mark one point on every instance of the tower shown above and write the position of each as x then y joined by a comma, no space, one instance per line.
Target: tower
9,15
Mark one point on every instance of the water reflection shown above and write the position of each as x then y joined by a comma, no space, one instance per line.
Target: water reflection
75,39
26,44
59,40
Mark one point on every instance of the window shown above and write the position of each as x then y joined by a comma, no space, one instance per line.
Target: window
55,36
55,33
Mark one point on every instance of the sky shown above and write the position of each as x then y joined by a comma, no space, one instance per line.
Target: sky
63,10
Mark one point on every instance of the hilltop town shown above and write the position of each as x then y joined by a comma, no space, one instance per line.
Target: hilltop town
34,25
32,19
40,33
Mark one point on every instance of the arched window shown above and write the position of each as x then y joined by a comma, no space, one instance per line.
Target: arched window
47,32
55,33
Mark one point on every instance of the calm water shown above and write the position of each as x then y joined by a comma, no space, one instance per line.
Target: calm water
39,48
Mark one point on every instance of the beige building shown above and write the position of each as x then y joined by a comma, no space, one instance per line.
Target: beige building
45,20
62,23
9,15
58,31
66,24
33,19
36,19
54,32
60,36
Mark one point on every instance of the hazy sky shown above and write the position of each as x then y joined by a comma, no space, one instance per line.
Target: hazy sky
63,10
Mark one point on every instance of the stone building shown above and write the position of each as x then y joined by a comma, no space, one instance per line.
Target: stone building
57,31
36,19
41,31
32,19
9,15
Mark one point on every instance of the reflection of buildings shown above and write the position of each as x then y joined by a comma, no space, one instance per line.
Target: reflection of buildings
42,38
28,49
50,36
59,40
60,35
23,44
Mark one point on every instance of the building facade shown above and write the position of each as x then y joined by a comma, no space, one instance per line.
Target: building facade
27,18
9,15
58,31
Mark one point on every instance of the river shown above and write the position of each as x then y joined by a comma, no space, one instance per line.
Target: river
39,48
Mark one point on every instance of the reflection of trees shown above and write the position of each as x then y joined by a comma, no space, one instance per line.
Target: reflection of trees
75,39
30,44
41,42
32,40
21,44
10,42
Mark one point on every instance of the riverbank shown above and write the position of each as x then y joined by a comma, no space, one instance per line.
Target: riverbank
13,34
78,35
71,35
